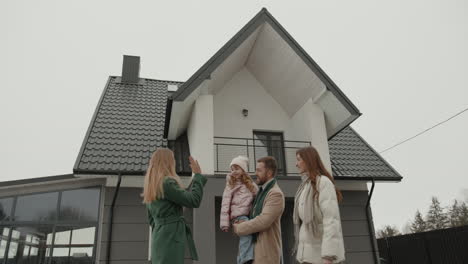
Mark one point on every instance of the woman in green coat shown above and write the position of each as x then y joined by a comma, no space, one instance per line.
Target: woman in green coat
164,197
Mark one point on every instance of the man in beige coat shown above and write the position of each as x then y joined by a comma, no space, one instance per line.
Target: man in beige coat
268,207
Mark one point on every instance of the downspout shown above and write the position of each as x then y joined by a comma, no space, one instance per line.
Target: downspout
369,224
111,219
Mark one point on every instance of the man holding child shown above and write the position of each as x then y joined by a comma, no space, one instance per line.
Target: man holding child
265,217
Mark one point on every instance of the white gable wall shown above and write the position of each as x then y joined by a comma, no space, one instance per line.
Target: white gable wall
309,123
244,91
200,133
265,113
277,66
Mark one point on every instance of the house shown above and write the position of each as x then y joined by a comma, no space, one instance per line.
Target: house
260,94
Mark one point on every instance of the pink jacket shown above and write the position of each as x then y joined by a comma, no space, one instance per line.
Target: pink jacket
237,201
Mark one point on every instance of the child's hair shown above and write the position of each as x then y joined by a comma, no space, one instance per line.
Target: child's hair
245,179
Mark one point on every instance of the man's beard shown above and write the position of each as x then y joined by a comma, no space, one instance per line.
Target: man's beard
259,181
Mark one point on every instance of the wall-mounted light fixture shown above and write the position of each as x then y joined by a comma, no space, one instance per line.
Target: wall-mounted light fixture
245,112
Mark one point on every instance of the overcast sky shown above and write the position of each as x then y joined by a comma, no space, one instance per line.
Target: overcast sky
403,63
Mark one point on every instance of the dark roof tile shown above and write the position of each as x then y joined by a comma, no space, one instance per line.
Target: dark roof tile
351,155
128,125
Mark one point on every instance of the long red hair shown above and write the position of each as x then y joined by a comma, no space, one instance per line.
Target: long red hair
315,167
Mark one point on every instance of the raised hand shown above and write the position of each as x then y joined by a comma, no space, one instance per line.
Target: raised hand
194,165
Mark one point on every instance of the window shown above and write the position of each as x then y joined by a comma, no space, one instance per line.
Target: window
270,144
4,234
5,209
181,150
30,244
80,204
37,207
74,244
50,228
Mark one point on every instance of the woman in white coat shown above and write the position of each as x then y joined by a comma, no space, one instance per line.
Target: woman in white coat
317,224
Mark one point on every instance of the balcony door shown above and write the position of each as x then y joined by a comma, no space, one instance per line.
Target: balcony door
270,144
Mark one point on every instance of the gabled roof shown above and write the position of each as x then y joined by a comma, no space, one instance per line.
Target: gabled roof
131,120
339,110
127,126
352,156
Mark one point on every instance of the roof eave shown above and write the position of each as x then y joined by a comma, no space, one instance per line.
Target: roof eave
91,124
37,180
344,125
108,172
368,178
329,84
205,71
378,155
264,16
339,178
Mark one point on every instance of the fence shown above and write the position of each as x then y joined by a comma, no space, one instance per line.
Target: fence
433,247
284,151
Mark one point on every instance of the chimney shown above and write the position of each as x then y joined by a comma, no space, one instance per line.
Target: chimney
130,69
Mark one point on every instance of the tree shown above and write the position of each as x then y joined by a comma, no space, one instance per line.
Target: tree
465,194
463,214
436,217
406,229
418,225
454,214
388,231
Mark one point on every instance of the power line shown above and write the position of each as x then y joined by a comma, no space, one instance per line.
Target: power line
424,131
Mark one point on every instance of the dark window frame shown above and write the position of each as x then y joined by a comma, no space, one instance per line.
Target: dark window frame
16,197
281,161
8,214
19,241
12,224
181,150
81,221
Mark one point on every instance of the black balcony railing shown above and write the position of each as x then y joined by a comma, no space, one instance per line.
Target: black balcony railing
284,151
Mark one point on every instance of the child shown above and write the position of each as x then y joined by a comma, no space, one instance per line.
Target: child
237,201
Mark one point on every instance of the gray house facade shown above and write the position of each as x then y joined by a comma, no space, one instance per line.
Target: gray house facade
260,94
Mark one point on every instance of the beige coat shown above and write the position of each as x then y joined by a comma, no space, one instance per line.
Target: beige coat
329,243
268,246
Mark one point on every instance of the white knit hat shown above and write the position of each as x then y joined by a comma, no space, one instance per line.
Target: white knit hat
241,161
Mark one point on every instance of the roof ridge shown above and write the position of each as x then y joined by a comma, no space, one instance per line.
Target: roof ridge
150,79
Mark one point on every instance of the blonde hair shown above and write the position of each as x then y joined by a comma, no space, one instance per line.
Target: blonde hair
244,179
161,164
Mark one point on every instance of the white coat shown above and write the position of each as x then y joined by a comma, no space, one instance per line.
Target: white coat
330,244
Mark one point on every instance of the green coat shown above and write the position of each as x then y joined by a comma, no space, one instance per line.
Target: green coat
170,233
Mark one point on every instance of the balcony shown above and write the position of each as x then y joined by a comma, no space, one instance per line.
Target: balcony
226,148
